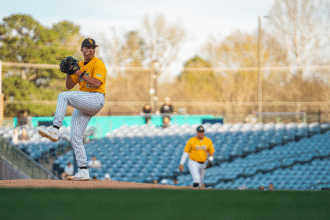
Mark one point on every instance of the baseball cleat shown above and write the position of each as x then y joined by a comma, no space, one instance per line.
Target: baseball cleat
82,175
50,133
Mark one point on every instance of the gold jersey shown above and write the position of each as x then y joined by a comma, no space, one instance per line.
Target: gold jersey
198,149
95,68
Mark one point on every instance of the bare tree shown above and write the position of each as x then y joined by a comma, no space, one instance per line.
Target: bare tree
238,50
132,54
194,85
303,26
162,40
131,84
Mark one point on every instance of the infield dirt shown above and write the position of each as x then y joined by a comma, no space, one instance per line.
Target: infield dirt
92,184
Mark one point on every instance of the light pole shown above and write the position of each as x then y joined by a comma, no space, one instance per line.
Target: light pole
151,90
155,67
259,75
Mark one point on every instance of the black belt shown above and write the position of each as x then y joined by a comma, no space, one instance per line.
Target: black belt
200,162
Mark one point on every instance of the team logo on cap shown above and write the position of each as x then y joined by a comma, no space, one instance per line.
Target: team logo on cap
200,128
90,40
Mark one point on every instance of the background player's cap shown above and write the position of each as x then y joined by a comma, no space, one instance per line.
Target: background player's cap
200,128
88,42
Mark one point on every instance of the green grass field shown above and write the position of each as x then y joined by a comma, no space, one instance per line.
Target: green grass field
162,204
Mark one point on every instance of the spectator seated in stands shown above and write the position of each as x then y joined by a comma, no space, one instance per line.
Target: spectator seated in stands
68,171
14,139
94,163
166,122
146,110
24,136
167,108
23,119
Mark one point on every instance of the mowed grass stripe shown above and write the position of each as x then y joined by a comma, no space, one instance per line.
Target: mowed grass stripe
162,204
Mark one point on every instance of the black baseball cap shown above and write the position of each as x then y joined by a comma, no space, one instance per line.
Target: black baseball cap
88,42
200,129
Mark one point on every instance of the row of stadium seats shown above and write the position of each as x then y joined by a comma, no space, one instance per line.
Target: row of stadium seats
129,156
34,137
301,129
37,147
43,150
306,163
287,179
230,131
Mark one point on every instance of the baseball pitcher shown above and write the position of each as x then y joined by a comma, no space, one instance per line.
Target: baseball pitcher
200,151
90,74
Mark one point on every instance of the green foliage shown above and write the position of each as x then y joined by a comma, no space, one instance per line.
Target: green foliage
197,84
25,40
135,48
23,90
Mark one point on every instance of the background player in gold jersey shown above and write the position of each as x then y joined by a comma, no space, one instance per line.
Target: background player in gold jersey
87,102
199,149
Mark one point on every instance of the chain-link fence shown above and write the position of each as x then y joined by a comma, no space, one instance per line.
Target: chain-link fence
232,112
232,93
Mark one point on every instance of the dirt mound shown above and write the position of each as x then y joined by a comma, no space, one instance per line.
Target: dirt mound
95,184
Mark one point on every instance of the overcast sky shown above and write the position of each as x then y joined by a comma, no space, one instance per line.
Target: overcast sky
201,18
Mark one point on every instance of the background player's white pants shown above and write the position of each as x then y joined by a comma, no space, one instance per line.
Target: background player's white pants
197,171
86,105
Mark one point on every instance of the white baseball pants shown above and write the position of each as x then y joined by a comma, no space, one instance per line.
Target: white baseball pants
86,105
197,171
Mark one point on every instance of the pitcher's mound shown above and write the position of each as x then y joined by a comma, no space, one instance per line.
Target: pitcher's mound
93,184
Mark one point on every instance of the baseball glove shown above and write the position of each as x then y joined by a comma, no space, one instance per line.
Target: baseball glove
69,65
209,164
